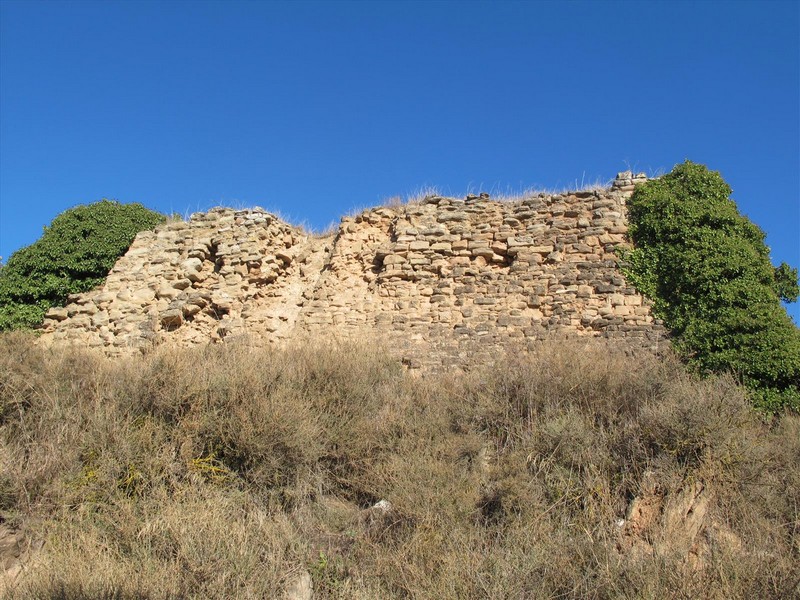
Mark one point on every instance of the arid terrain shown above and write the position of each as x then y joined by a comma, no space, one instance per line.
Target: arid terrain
332,471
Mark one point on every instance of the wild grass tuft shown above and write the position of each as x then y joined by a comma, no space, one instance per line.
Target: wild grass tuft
227,472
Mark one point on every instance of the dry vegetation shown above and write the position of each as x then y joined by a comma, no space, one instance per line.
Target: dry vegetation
228,472
503,195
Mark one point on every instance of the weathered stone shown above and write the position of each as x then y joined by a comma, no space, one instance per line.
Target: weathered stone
171,319
143,295
436,277
100,319
483,251
394,259
453,216
189,310
104,298
167,291
181,284
499,247
192,265
56,313
301,587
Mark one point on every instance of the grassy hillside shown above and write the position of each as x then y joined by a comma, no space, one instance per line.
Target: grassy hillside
232,473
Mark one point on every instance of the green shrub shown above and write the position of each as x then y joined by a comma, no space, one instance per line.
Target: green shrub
707,269
73,255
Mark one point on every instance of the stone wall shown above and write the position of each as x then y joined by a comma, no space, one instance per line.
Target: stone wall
442,279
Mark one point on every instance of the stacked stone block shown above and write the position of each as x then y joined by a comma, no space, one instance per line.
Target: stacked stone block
442,279
219,276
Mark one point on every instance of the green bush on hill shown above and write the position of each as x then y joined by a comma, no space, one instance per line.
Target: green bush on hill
73,255
707,269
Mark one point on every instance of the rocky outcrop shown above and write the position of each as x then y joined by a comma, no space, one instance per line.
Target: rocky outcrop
675,523
442,278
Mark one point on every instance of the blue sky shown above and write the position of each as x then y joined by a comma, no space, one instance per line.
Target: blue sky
313,110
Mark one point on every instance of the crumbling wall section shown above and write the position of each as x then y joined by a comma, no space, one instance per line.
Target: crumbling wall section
222,275
442,279
449,277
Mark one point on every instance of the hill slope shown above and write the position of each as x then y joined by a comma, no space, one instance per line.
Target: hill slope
228,472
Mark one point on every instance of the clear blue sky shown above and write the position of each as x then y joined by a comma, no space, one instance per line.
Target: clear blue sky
315,109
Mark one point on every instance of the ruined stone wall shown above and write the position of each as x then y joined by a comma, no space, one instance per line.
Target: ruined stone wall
441,279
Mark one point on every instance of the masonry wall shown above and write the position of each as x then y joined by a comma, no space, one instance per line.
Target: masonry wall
441,279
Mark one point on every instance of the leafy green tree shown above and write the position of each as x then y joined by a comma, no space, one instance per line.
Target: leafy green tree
74,254
707,269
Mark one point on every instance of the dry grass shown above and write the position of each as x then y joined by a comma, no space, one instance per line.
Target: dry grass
225,472
582,185
498,194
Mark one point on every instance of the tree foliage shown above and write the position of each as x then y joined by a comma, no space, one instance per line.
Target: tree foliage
707,269
74,254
